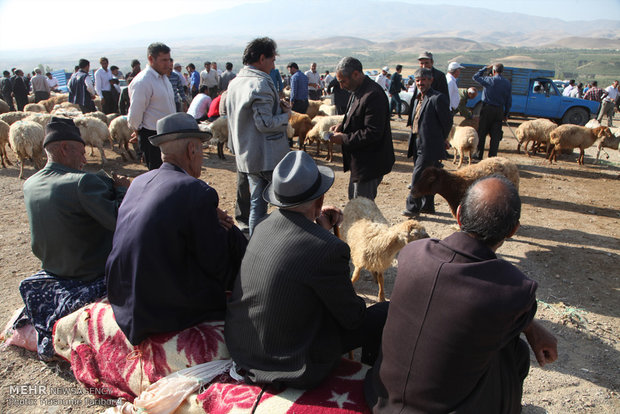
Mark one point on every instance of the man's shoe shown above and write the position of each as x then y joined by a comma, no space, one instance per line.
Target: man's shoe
408,186
427,210
408,213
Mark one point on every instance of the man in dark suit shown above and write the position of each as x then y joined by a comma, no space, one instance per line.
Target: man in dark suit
395,87
174,253
364,133
20,89
451,341
293,311
430,122
440,84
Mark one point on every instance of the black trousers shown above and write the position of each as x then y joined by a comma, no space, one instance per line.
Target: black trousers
41,96
242,206
9,100
110,102
427,202
300,106
368,335
152,154
491,118
21,100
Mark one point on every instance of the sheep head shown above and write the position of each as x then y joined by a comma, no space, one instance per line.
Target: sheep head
602,132
428,183
414,230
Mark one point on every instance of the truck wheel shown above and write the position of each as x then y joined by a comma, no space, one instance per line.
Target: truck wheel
577,116
404,107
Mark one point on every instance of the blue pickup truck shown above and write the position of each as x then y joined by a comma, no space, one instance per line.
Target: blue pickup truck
534,94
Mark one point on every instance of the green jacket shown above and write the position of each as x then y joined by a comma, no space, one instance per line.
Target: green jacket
72,217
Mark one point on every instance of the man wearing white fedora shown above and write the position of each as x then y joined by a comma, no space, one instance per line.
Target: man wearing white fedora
293,311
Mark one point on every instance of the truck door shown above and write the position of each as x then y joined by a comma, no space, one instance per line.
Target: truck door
543,100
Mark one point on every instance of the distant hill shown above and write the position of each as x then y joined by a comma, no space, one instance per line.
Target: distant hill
574,42
435,44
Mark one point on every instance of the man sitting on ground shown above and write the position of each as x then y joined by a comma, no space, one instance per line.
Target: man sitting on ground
451,341
72,217
293,311
175,253
200,104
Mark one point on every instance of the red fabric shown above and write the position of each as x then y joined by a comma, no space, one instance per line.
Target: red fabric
214,108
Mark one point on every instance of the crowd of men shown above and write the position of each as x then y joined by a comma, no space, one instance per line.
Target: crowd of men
167,257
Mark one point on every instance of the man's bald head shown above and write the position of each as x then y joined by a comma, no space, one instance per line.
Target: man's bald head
490,210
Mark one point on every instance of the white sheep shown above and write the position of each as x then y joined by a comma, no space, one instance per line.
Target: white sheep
568,137
66,105
35,107
41,119
67,112
608,142
14,116
219,133
4,139
373,242
463,139
94,132
111,117
536,130
452,185
54,100
327,110
26,140
4,107
322,124
313,108
120,132
100,116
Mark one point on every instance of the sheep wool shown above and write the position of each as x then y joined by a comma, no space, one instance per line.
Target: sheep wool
121,134
463,139
26,140
568,137
537,130
94,132
4,139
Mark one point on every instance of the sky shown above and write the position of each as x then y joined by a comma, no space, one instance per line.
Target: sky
20,16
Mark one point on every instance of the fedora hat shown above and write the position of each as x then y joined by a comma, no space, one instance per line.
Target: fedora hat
177,126
296,180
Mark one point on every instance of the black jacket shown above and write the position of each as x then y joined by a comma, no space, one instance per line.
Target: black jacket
433,128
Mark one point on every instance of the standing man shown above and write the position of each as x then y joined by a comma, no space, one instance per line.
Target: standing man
81,89
451,340
382,78
395,87
314,82
299,89
20,89
209,78
341,96
177,69
226,77
439,79
276,77
194,78
72,217
40,87
364,133
52,82
496,103
454,71
257,122
569,89
327,79
177,87
430,125
6,87
103,75
135,69
610,94
594,93
152,98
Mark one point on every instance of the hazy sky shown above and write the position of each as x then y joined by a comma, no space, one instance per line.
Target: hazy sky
36,23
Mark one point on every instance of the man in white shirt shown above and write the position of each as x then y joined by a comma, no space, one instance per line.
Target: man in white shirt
214,67
314,79
200,104
152,98
382,78
327,80
571,85
40,87
209,77
103,75
607,105
454,71
52,82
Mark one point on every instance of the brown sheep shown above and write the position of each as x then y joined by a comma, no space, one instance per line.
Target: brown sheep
373,242
302,124
313,108
568,137
452,185
537,130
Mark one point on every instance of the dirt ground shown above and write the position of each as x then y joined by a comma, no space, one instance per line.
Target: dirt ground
569,242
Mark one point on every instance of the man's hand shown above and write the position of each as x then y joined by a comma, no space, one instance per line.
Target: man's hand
286,107
134,138
542,342
121,180
330,216
337,138
225,220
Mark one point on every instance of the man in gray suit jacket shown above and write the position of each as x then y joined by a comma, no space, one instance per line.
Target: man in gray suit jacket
257,122
293,311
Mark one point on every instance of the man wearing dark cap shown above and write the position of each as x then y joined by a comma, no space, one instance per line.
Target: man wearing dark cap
72,217
451,343
175,253
293,311
430,122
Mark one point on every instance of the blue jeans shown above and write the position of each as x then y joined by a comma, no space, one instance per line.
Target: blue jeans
395,101
258,205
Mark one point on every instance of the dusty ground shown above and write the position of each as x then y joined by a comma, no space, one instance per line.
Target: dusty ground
569,242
